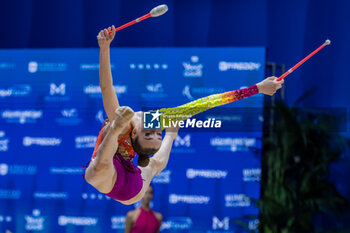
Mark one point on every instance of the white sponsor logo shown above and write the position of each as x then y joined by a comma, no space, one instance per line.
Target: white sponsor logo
94,91
66,170
10,194
100,116
177,223
18,90
3,142
223,224
233,144
28,141
91,89
200,91
69,113
224,66
85,142
251,174
155,66
184,141
187,92
4,145
118,222
77,221
93,66
210,174
188,199
193,68
94,196
156,88
34,222
237,200
6,169
183,145
163,177
57,90
5,92
45,195
32,67
4,218
22,116
69,117
119,89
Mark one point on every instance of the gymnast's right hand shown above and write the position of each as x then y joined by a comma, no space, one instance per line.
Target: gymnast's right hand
172,131
104,38
269,86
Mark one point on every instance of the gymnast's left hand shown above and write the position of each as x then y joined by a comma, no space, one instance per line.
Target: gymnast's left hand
104,38
269,86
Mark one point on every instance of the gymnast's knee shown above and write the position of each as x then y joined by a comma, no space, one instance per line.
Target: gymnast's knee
95,172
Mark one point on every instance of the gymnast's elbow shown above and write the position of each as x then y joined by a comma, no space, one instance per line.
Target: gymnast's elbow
105,85
157,165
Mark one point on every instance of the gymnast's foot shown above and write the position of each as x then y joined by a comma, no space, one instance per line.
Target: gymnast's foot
123,116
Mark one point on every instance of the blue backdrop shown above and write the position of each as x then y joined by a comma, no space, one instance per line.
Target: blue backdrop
289,29
51,112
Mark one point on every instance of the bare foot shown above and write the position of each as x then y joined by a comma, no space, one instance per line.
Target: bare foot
123,116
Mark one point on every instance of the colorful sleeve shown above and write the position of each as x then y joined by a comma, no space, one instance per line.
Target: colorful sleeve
188,110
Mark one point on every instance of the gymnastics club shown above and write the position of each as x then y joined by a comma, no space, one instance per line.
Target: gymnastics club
155,12
302,61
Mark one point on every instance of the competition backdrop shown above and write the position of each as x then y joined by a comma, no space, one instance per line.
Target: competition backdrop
51,112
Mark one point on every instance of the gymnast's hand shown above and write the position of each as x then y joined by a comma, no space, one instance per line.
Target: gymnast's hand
172,131
104,38
269,86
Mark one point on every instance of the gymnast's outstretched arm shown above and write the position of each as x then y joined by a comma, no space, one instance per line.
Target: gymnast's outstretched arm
160,159
110,100
268,86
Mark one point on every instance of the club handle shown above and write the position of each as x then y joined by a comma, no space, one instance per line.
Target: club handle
146,16
302,61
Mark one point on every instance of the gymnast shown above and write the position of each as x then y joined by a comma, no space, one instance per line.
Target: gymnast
144,219
111,169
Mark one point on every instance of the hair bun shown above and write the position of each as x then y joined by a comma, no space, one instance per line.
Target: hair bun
143,160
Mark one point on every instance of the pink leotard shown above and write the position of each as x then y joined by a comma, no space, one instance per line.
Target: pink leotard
146,222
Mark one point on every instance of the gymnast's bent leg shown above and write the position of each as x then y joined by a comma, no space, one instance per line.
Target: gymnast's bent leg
101,173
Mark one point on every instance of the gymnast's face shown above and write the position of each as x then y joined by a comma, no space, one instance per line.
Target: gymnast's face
148,139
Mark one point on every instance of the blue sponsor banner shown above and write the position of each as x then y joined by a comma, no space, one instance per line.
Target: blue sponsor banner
51,111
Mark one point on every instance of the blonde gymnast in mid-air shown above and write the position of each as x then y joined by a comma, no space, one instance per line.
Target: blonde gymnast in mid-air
122,136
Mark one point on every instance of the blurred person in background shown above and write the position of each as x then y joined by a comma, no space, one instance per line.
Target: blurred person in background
144,219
